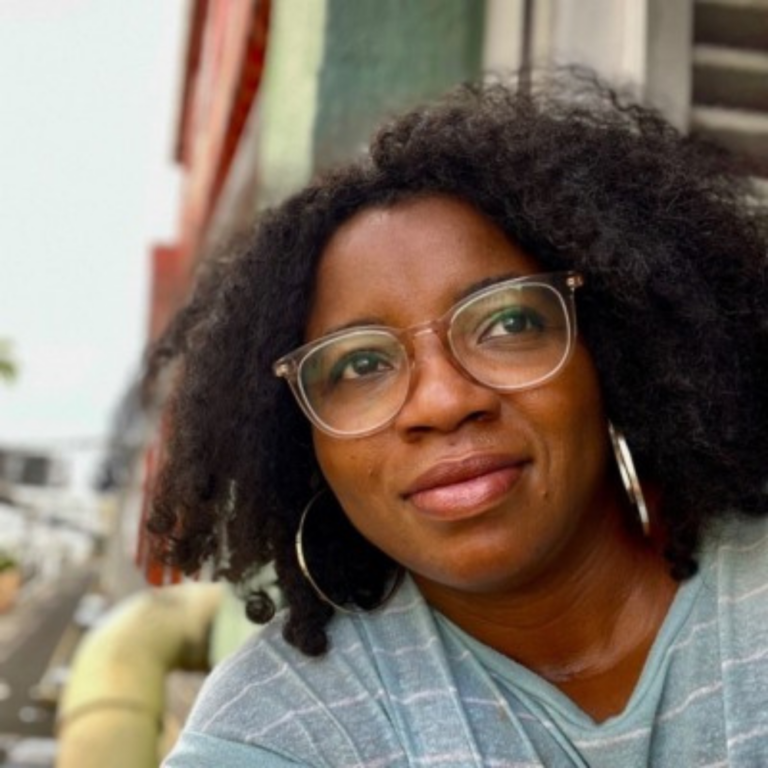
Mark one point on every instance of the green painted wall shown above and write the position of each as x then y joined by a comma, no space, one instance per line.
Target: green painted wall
335,68
287,103
383,55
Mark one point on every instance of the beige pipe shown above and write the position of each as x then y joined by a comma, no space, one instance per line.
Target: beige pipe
112,709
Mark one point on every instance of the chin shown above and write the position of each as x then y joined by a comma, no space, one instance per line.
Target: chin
478,575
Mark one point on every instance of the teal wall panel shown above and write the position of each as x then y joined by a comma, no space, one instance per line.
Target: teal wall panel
383,55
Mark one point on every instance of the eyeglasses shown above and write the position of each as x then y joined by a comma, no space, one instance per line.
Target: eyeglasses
513,335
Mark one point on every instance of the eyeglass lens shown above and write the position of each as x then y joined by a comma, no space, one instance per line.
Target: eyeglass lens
508,338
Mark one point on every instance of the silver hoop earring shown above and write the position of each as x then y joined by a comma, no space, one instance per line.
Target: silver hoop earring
629,476
352,609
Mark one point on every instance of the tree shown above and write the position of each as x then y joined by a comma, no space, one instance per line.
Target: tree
8,366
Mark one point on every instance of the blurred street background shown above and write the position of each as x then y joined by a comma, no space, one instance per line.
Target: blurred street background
137,136
89,101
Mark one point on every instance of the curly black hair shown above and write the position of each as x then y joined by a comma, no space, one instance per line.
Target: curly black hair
674,311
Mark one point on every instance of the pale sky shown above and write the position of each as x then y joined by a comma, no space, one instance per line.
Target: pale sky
88,102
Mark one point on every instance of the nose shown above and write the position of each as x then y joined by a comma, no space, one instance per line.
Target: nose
442,396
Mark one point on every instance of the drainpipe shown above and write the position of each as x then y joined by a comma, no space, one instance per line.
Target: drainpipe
113,705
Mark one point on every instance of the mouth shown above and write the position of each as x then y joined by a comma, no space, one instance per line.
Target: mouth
460,490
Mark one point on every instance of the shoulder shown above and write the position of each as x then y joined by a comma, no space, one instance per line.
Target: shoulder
195,750
737,547
736,572
736,561
271,696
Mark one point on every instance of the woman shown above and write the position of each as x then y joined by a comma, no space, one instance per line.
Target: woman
515,493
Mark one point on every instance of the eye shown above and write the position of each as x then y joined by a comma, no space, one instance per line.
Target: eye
511,321
360,364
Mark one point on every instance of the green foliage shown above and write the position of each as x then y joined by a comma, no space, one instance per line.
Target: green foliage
7,561
8,366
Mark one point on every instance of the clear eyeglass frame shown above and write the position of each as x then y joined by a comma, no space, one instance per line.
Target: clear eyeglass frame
289,366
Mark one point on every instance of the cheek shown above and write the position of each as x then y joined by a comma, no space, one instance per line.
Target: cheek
567,415
578,426
577,399
355,474
348,469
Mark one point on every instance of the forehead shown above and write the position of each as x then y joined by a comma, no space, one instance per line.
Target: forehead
408,262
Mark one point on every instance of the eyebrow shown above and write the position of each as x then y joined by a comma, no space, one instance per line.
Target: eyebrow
486,282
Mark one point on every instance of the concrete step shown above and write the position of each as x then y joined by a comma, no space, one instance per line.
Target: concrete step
733,23
730,77
742,131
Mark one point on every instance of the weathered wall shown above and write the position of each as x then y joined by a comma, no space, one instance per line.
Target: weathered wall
279,140
382,56
335,68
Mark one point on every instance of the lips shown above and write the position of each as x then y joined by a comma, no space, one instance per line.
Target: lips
457,490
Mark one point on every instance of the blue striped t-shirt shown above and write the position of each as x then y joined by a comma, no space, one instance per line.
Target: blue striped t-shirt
405,687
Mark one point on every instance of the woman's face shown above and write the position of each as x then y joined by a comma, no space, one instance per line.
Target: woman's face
468,488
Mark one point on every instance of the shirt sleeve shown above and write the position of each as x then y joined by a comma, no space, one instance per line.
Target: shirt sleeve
198,750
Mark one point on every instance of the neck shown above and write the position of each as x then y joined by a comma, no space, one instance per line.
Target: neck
589,634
